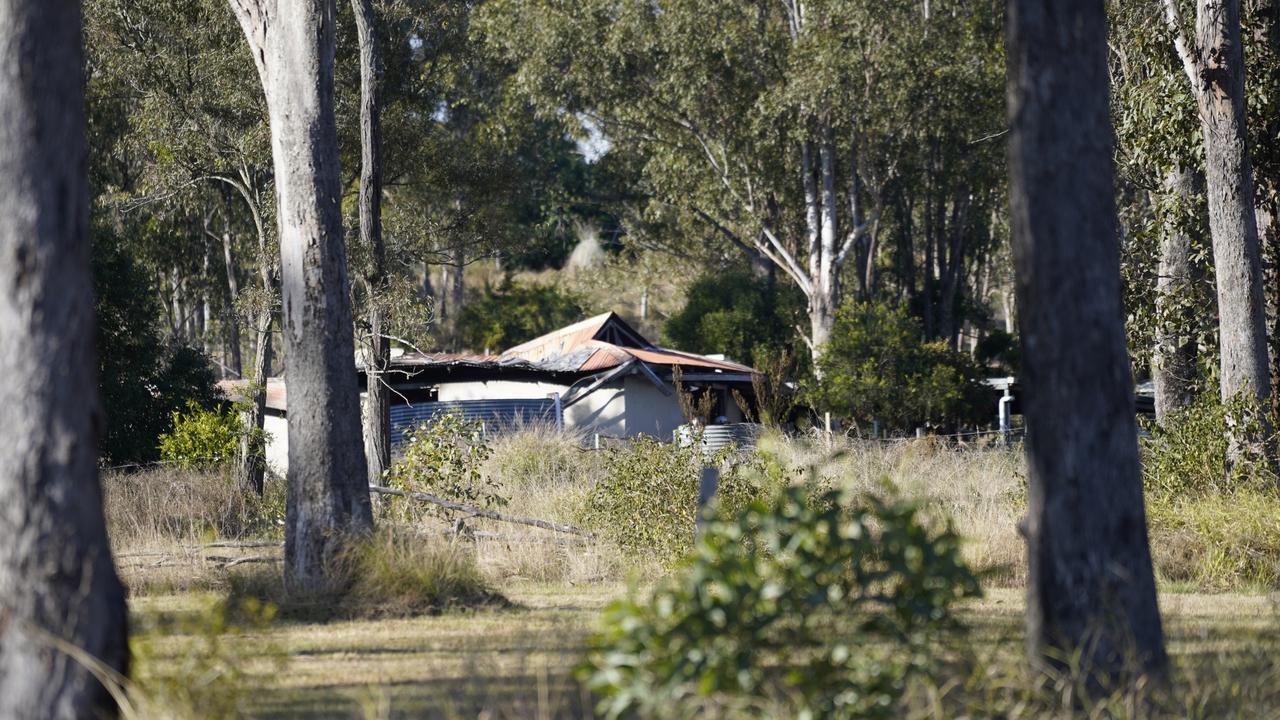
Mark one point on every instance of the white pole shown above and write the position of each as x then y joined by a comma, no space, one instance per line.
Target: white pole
555,397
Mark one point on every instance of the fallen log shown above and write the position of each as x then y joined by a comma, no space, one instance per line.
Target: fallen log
481,512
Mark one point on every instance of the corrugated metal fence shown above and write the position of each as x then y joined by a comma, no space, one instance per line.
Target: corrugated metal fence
497,416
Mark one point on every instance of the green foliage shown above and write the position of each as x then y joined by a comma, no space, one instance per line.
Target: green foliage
513,313
827,603
875,367
1214,527
444,457
202,438
1188,454
647,500
735,313
143,380
713,123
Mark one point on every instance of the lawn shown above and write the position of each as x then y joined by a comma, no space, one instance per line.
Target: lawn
517,662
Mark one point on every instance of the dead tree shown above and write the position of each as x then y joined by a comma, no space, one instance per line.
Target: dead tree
59,592
292,42
1091,589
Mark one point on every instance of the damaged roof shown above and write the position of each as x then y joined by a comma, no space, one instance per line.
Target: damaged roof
597,343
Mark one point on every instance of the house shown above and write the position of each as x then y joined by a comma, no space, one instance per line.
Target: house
598,377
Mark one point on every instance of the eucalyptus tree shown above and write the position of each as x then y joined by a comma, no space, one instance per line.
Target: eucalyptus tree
58,584
1165,213
779,126
292,44
1091,591
1213,60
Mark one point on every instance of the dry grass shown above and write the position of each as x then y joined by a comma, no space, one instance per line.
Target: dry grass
161,506
170,531
392,573
978,487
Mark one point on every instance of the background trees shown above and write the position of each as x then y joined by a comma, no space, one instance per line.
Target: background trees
1214,64
793,133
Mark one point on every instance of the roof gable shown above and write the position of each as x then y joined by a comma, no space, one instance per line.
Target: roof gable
607,327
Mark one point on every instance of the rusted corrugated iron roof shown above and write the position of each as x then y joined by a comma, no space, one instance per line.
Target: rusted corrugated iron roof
663,356
562,341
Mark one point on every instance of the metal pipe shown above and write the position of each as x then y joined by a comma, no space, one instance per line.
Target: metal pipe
1003,414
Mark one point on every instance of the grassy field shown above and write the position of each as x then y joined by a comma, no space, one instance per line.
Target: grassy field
182,539
517,662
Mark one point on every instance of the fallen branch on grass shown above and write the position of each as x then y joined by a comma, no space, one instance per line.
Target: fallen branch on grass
480,512
252,559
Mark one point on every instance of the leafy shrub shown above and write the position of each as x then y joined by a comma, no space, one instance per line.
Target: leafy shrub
822,601
445,457
1188,454
876,368
647,499
201,438
1213,527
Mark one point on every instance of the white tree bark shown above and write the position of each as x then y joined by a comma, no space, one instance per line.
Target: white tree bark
58,583
292,42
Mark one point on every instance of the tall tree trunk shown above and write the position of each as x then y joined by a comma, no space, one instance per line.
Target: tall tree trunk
233,318
442,300
58,583
1174,359
377,351
1214,64
292,43
1090,589
206,310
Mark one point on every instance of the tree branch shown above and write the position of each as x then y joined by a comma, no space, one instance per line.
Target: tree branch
1191,64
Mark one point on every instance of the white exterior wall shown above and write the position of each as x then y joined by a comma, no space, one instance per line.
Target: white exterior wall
625,407
277,428
649,411
603,411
